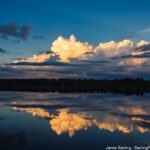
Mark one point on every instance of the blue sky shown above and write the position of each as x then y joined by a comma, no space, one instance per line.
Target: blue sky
91,21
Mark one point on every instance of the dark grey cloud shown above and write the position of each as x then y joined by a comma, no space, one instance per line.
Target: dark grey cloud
95,61
9,69
65,70
144,55
53,62
128,36
70,71
87,53
8,72
46,63
40,37
88,62
86,71
13,30
2,50
46,52
144,47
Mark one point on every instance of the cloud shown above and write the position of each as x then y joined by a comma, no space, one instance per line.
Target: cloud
112,48
136,34
2,50
13,72
127,36
145,30
40,37
143,46
46,63
38,59
13,30
53,62
46,51
74,58
71,50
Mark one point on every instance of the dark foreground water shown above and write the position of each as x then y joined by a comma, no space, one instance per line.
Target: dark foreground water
53,121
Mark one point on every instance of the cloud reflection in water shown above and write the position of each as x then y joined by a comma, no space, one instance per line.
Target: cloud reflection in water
66,121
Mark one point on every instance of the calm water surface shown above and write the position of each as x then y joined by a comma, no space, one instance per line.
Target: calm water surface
44,121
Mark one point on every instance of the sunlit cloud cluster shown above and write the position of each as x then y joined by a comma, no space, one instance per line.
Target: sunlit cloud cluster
41,58
70,48
69,56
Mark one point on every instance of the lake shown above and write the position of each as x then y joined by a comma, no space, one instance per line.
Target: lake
73,121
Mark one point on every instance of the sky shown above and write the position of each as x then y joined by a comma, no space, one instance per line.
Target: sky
74,39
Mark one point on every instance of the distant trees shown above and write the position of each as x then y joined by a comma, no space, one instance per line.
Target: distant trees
125,86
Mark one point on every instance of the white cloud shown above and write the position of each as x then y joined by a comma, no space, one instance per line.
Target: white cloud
70,48
112,48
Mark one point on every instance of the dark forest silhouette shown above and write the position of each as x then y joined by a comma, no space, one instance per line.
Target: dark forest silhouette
126,86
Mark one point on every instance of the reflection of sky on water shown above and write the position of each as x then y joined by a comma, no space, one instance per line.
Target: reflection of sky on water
113,116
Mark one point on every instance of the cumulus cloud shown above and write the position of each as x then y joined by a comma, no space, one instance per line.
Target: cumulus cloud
112,48
105,59
69,49
13,30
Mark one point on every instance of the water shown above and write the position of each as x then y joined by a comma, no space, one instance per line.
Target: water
44,121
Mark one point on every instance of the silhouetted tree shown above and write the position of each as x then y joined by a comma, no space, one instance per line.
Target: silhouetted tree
125,86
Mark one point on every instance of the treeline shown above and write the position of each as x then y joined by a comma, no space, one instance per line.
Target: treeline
126,86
